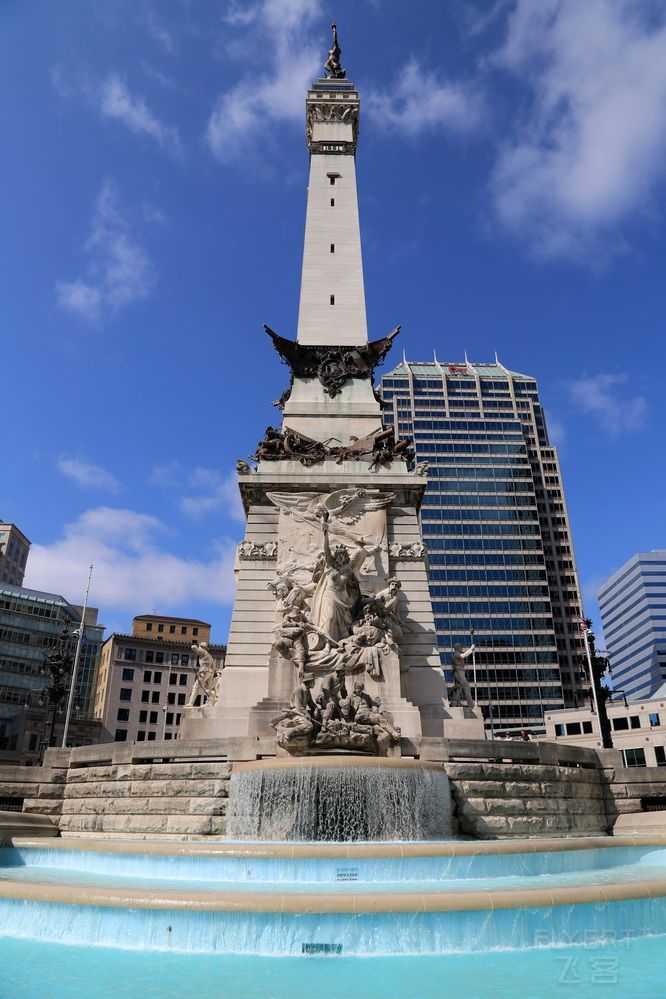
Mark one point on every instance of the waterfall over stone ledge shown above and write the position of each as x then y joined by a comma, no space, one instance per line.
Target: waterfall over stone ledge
339,803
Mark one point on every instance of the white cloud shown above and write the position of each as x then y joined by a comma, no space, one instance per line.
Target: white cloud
88,476
132,571
112,99
279,29
159,33
418,102
599,397
590,152
117,102
119,271
212,492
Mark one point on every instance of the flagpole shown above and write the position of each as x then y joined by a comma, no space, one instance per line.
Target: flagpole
76,662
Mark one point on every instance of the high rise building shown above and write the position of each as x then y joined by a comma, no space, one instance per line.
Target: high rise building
30,624
14,548
633,614
495,522
146,678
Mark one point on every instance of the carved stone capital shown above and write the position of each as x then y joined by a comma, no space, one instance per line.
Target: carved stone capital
413,552
250,550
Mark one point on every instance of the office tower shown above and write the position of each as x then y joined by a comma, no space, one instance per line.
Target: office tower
14,548
633,614
494,519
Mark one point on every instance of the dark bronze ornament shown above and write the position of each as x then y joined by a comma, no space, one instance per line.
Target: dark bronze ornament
332,366
378,448
332,66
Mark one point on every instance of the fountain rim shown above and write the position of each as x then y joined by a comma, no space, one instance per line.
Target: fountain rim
354,904
129,845
333,761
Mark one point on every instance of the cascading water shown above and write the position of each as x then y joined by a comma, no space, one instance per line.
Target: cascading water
338,804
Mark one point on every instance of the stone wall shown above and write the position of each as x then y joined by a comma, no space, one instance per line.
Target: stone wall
512,789
179,790
42,788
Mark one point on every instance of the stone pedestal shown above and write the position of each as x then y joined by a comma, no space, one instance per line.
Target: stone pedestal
462,723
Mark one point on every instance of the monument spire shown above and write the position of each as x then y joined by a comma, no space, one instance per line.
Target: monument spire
332,303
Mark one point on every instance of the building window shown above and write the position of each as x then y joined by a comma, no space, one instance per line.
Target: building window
634,757
182,679
151,737
123,714
332,300
149,626
140,736
143,717
573,728
332,247
660,754
183,630
32,745
168,735
175,658
150,656
130,654
153,718
559,731
181,698
145,696
125,693
157,677
587,728
184,660
331,179
171,698
147,675
635,721
177,719
155,697
169,718
654,720
159,657
620,724
128,674
160,627
121,735
332,202
172,629
173,679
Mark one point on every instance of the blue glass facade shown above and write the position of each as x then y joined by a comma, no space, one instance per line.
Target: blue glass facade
633,614
494,521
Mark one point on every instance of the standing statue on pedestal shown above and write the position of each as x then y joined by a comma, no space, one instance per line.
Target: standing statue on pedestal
460,688
332,66
208,676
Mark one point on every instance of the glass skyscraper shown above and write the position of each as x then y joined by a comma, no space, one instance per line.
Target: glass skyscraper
494,519
633,613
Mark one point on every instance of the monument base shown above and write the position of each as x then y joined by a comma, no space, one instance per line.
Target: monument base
462,723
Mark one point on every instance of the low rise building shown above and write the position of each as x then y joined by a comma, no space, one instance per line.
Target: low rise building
638,729
146,678
14,548
31,622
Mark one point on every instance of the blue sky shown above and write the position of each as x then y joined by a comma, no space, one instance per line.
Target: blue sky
511,177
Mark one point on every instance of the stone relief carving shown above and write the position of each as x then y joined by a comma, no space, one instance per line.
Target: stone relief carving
335,719
243,468
344,113
378,448
420,468
249,549
209,673
332,366
416,550
324,621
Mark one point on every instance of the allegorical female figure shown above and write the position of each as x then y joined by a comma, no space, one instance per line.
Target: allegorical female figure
337,592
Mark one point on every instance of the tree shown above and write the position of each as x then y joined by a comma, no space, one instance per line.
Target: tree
600,665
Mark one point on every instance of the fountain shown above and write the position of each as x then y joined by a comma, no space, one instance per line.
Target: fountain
349,800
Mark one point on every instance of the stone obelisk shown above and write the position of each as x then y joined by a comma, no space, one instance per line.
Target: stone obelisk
331,462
